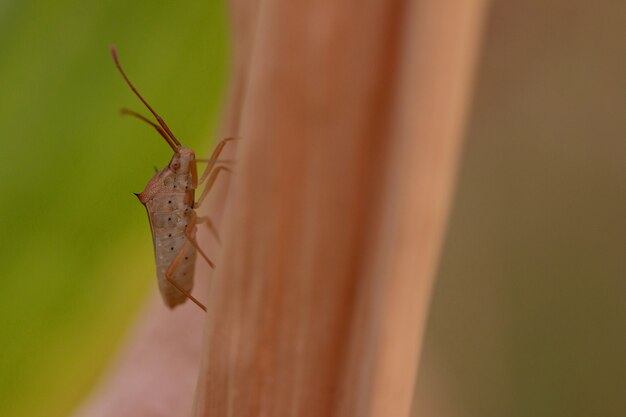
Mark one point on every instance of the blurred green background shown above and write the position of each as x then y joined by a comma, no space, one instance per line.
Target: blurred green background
75,252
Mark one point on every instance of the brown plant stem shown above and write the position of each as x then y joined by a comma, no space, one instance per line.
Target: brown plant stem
350,115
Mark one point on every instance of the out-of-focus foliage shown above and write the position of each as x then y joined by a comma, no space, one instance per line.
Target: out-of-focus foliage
75,249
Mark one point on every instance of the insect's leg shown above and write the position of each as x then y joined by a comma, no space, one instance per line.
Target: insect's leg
217,161
170,271
211,161
210,183
210,225
190,235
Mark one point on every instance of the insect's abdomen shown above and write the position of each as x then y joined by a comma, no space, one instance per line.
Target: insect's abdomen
169,215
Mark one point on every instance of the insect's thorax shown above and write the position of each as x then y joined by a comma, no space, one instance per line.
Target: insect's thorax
177,177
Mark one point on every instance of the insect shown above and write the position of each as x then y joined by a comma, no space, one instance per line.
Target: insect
169,199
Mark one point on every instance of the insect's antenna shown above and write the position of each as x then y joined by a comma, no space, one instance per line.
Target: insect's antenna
132,87
128,112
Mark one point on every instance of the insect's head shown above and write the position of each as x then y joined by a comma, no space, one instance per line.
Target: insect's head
181,159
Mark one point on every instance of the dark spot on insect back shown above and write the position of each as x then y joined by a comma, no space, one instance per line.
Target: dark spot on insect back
170,235
186,257
171,248
169,219
169,202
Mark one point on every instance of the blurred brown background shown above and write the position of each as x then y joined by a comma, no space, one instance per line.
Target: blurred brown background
529,310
